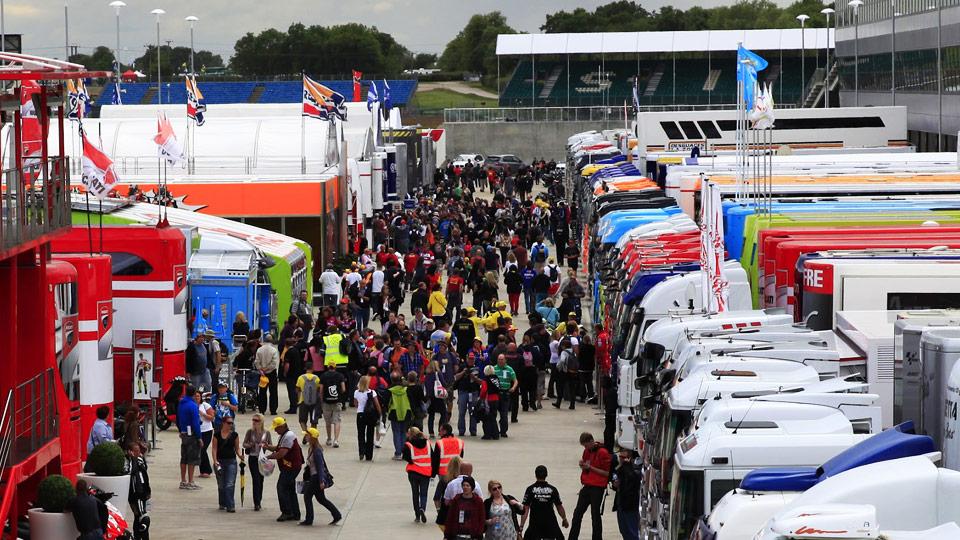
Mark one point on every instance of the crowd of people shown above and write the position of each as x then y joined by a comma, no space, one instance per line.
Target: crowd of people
394,339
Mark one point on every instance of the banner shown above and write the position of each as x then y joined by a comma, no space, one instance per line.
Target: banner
98,175
356,85
147,347
32,135
78,100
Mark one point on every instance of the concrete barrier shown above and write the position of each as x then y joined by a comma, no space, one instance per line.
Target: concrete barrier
526,140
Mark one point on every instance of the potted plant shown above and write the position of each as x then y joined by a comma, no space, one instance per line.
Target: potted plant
107,466
50,519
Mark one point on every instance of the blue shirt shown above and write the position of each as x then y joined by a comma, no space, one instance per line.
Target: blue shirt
188,417
100,432
221,410
528,274
550,314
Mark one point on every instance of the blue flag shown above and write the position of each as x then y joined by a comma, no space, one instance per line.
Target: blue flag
387,104
116,100
200,324
372,96
748,64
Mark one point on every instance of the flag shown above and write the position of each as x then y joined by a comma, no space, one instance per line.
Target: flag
98,175
322,102
715,288
31,134
200,324
116,99
78,99
356,85
372,96
748,64
762,115
195,105
636,96
387,103
167,143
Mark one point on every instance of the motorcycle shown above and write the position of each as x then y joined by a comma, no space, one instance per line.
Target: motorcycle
167,413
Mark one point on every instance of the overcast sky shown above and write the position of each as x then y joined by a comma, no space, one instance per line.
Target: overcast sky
420,25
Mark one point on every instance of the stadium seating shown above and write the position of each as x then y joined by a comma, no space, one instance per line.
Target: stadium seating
401,92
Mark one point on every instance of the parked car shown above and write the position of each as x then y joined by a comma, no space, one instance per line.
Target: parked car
462,159
507,163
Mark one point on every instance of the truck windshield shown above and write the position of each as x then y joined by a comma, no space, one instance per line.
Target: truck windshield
675,427
686,503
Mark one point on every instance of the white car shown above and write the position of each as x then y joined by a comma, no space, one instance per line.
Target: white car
462,159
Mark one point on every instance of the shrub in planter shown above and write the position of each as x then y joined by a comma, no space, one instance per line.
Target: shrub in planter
53,493
107,459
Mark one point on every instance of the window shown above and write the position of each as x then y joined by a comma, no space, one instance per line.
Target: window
129,264
719,488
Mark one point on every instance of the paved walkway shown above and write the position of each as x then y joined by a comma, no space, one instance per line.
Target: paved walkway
375,496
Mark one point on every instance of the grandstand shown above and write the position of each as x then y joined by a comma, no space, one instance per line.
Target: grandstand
682,68
401,91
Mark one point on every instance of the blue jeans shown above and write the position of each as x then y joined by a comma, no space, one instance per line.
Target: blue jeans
465,401
629,524
419,490
528,299
399,430
287,493
311,490
226,480
504,406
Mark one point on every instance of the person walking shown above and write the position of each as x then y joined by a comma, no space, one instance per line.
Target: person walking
437,304
197,359
368,415
586,358
308,397
446,448
507,378
466,517
188,423
316,480
267,361
399,413
467,385
207,416
417,454
530,361
334,385
289,460
626,502
539,501
226,451
568,368
291,365
502,511
418,399
435,394
256,438
594,473
490,396
514,282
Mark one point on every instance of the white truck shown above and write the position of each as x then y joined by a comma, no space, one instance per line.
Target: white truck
847,521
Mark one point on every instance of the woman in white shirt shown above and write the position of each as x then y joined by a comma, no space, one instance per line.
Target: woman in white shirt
207,414
554,359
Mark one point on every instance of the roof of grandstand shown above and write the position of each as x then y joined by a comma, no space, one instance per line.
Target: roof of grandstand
174,91
663,42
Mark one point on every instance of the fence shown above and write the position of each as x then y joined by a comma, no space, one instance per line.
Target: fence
568,114
34,200
35,413
216,165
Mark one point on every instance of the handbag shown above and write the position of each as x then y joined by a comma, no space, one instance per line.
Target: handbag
438,389
264,464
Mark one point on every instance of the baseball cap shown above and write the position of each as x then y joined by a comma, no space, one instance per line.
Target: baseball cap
278,421
313,432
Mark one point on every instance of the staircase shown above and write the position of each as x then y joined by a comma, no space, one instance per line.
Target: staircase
654,81
817,88
149,96
550,82
711,82
257,92
773,74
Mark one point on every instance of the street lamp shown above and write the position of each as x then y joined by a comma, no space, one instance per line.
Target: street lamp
803,54
116,5
192,20
855,4
893,51
66,29
826,77
158,12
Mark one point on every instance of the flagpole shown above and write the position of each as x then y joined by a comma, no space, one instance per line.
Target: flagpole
303,133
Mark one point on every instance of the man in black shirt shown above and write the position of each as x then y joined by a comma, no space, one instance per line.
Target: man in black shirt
89,513
626,503
334,386
538,502
464,331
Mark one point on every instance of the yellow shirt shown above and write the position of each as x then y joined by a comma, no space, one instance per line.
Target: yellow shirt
437,304
492,320
477,324
302,380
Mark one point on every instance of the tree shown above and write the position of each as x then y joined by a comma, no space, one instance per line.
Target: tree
100,60
174,61
422,60
475,47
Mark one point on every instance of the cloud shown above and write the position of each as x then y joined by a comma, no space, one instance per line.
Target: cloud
25,11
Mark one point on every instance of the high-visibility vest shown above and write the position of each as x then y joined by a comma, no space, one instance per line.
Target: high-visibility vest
332,344
420,460
449,447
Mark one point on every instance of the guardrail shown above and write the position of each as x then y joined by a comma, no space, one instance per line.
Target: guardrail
35,413
35,200
214,165
570,114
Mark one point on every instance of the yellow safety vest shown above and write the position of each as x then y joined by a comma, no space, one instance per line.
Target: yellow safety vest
332,343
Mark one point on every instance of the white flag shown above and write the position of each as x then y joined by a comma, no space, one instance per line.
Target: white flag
167,143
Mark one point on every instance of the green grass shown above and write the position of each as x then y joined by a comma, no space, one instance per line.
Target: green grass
441,98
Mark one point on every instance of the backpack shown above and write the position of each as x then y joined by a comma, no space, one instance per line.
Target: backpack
310,390
294,461
370,408
554,273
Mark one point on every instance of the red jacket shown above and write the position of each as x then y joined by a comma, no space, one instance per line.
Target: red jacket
474,517
599,458
603,352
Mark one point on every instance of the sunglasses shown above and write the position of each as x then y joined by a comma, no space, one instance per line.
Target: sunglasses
256,420
496,488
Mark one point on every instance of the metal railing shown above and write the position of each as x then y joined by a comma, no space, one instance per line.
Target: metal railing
6,433
571,114
35,413
35,200
215,165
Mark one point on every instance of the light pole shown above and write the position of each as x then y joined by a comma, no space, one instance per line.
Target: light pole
893,51
855,4
803,54
66,29
826,77
158,12
116,5
192,20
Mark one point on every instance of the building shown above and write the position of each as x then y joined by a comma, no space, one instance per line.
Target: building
904,52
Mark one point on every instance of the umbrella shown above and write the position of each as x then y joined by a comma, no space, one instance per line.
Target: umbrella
243,481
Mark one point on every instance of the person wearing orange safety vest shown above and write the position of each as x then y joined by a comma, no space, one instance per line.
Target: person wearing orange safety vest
418,455
445,449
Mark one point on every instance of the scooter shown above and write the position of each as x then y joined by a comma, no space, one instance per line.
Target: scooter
167,414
